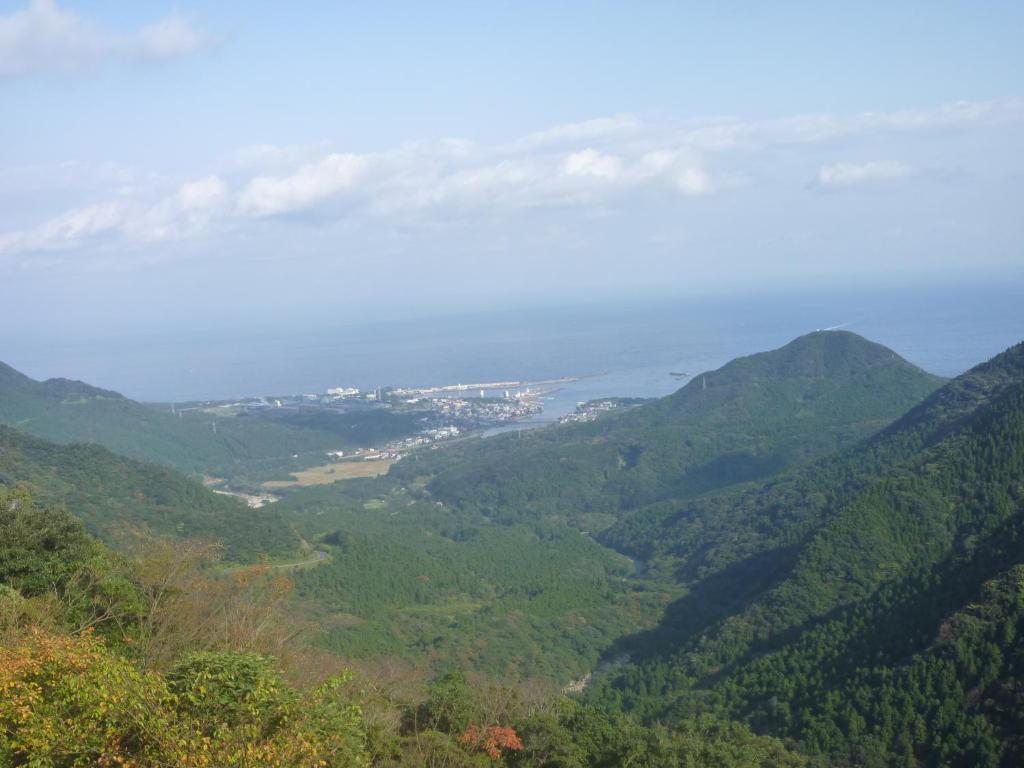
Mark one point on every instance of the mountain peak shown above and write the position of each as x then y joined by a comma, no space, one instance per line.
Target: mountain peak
13,379
815,355
832,353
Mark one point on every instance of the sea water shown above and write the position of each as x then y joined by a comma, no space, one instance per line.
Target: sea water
627,348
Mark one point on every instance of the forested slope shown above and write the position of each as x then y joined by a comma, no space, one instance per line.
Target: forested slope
193,442
162,659
114,495
867,605
752,418
843,542
463,555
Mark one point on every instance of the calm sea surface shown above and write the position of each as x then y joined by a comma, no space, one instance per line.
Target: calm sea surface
623,349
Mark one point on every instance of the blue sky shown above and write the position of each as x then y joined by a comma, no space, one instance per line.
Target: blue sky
165,164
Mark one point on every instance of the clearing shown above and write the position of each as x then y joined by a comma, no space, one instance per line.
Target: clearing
331,473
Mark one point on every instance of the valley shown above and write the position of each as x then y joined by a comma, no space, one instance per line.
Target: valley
511,385
657,561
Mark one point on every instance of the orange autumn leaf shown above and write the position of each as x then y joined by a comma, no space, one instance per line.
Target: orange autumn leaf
490,740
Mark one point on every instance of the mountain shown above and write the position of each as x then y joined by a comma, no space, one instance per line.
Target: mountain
488,553
828,569
752,418
156,660
112,494
869,605
240,446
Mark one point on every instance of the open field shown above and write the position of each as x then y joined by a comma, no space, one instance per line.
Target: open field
331,473
318,557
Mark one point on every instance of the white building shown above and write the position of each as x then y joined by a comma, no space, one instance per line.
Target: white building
343,392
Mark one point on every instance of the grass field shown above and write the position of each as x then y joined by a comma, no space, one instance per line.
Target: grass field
331,473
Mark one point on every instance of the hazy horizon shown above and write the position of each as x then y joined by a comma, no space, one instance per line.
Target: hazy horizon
173,166
943,327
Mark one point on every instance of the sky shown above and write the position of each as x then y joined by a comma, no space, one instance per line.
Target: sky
188,165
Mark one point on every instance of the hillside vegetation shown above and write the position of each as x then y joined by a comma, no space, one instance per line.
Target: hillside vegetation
245,447
750,419
812,556
158,660
868,605
116,497
462,556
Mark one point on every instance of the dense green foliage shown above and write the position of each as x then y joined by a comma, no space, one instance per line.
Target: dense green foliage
113,496
46,555
827,557
408,577
67,697
568,735
71,701
583,737
834,605
243,447
75,687
752,418
806,597
462,555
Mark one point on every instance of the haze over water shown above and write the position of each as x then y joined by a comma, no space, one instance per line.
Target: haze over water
622,349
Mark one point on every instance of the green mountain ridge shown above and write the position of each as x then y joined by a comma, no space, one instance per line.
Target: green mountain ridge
243,447
750,419
829,551
112,494
815,601
816,355
489,545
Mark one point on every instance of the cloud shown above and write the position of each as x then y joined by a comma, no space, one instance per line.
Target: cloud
453,176
203,195
693,181
169,38
310,184
590,162
187,212
46,38
850,174
271,158
600,128
725,133
594,166
68,229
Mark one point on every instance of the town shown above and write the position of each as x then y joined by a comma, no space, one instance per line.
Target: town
589,411
447,411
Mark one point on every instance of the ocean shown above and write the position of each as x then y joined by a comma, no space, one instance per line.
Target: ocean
627,348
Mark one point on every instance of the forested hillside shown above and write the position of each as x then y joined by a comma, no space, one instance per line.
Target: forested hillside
463,556
116,497
750,419
813,556
237,446
160,659
868,605
449,589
